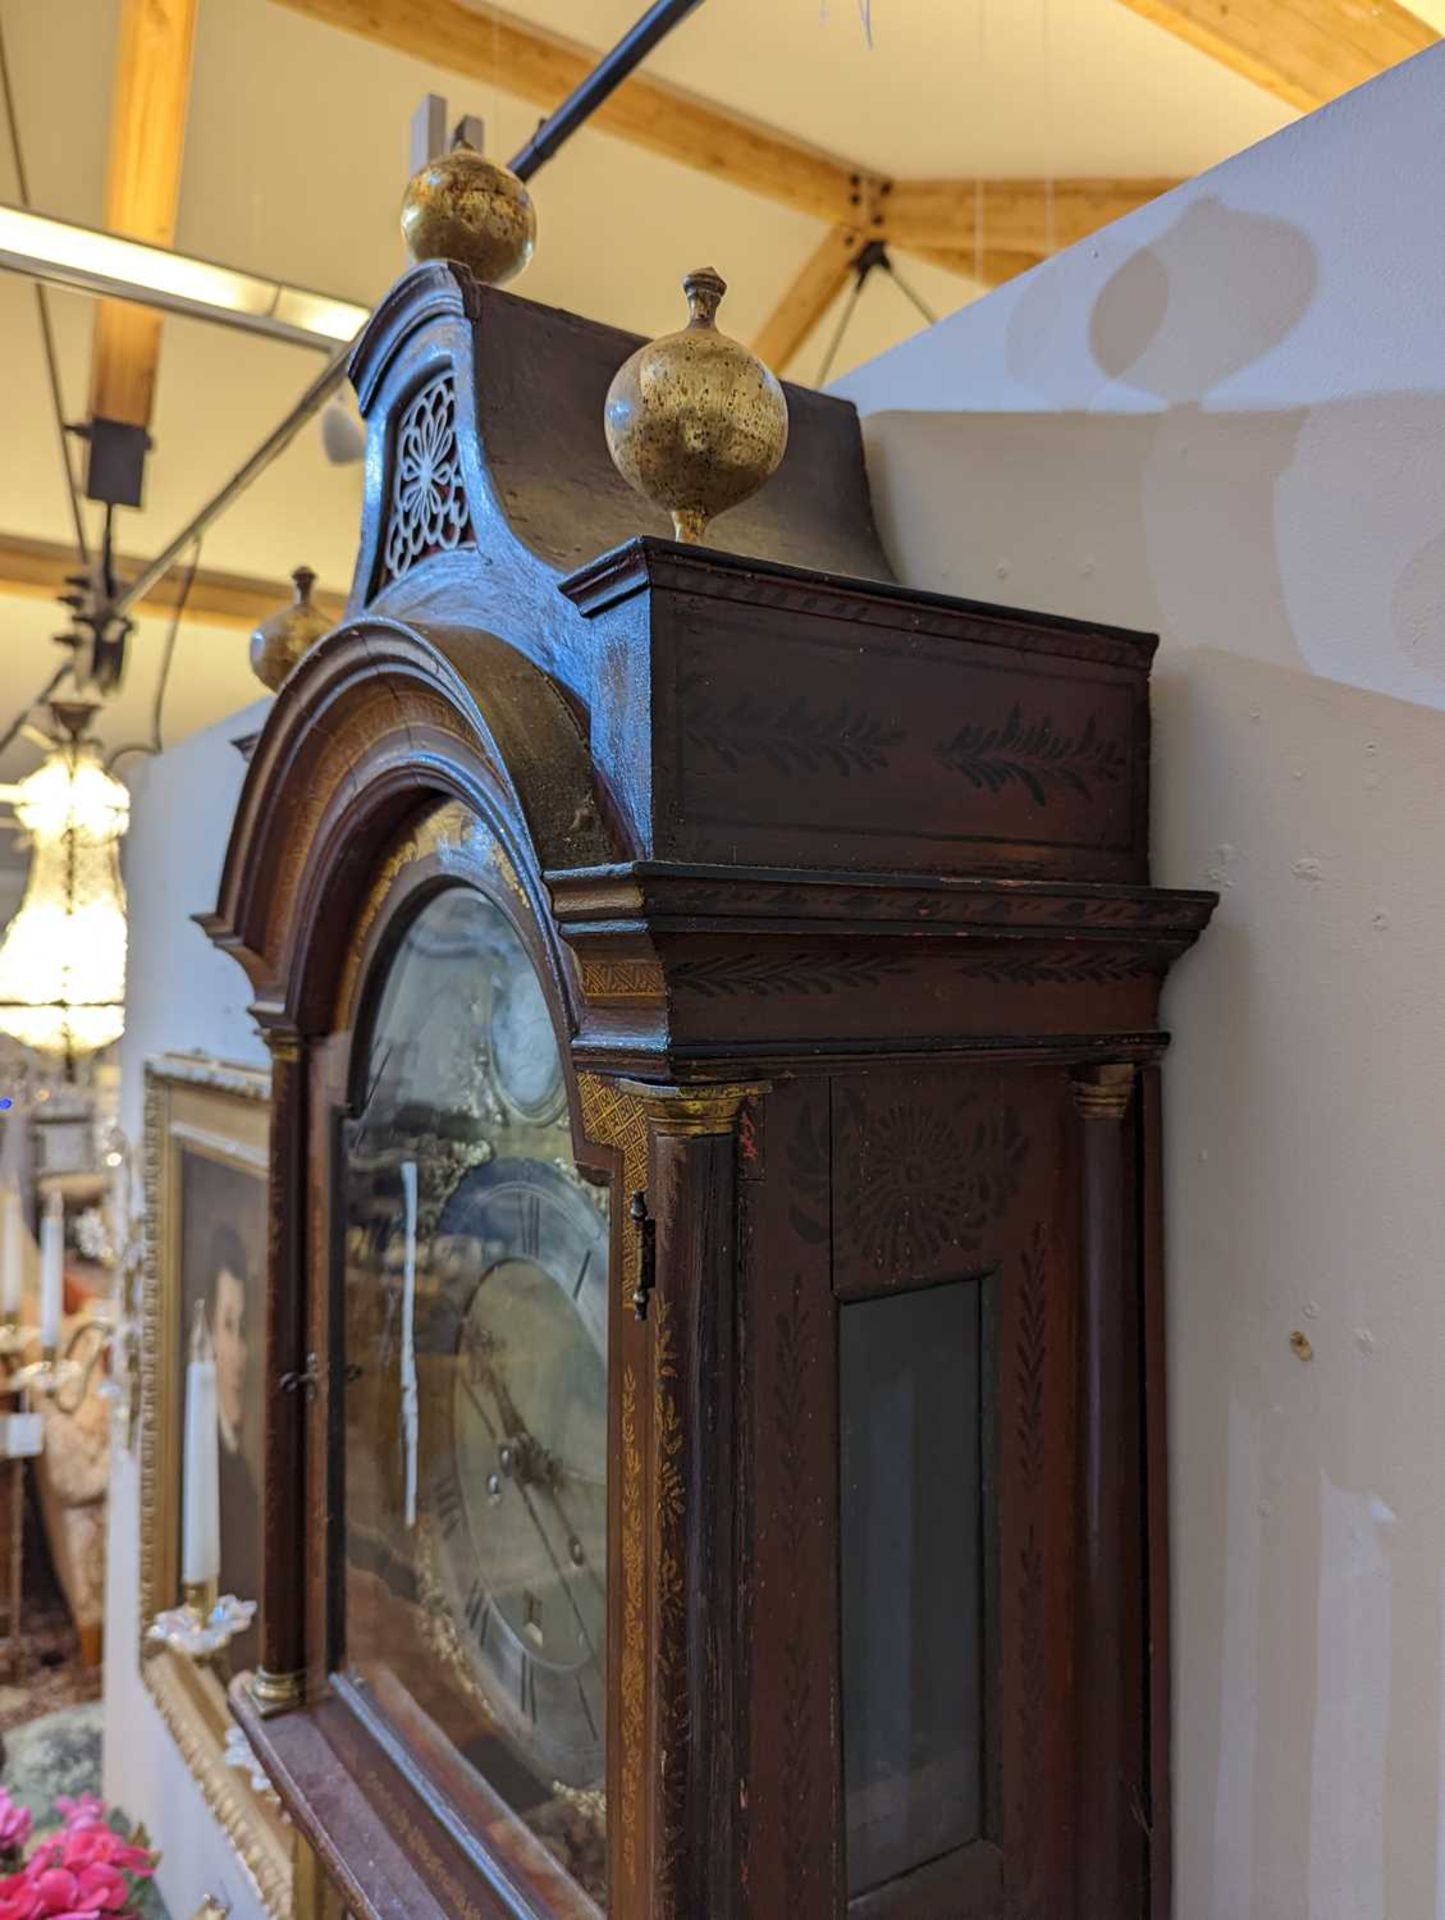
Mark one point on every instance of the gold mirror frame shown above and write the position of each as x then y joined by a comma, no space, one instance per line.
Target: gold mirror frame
223,1112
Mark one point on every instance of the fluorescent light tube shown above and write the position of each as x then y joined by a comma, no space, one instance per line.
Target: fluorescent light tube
112,267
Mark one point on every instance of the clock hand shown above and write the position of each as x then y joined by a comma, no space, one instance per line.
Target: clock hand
538,1463
535,1518
548,1468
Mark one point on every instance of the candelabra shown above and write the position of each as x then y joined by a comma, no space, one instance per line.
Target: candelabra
64,1378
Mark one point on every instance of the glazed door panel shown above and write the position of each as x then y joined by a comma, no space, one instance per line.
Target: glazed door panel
910,1306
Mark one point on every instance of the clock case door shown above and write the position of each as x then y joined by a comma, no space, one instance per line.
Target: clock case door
408,1665
411,1784
865,1194
378,782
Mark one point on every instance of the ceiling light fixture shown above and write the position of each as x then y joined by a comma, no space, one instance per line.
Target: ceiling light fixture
61,254
62,960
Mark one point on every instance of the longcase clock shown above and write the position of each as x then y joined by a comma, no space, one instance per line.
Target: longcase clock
715,1422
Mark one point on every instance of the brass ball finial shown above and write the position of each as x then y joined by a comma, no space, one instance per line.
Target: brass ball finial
462,206
694,421
278,643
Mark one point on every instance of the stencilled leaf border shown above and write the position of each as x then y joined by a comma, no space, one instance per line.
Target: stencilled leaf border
1032,754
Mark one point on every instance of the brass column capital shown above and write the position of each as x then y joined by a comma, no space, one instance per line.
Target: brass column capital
283,1044
1103,1092
690,1113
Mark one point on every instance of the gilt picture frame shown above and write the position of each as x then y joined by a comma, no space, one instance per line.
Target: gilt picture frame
207,1138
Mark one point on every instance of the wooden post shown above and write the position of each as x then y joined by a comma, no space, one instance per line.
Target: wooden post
1110,1759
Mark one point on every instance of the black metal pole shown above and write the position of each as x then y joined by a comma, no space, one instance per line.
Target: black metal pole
605,78
276,442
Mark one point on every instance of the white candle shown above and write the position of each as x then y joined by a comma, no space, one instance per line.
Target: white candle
52,1272
201,1469
410,1396
11,1259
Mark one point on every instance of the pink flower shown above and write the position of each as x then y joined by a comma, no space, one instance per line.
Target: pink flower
15,1824
18,1898
103,1890
85,1871
57,1891
86,1846
85,1810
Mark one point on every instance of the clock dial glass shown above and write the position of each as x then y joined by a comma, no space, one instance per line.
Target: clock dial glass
474,1259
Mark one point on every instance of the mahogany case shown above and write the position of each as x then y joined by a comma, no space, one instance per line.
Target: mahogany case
844,893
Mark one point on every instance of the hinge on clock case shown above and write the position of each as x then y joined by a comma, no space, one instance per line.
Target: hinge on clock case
305,1381
646,1253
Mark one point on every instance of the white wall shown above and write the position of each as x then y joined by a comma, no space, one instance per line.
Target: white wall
1225,419
182,995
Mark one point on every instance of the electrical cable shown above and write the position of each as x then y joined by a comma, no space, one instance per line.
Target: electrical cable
155,744
47,332
908,292
873,256
832,354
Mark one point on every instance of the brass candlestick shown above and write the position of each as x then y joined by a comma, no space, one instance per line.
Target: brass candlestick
200,1597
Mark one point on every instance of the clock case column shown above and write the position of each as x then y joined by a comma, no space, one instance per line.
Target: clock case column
280,1680
676,1734
699,1769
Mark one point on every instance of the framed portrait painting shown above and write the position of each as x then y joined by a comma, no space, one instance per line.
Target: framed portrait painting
206,1148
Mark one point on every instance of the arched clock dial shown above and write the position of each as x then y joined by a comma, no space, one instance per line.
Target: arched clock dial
519,1489
527,1070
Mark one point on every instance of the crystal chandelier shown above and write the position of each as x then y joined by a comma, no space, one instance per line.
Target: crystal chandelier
62,960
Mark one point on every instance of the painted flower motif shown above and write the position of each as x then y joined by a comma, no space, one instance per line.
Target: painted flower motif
932,1180
429,504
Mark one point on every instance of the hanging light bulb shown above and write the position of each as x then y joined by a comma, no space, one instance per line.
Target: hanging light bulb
62,959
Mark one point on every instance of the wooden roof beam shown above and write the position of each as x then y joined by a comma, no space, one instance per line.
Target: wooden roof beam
988,230
1035,217
38,569
143,187
824,275
1307,52
990,268
483,42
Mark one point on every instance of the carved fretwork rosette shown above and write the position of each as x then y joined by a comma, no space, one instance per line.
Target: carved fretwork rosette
427,510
